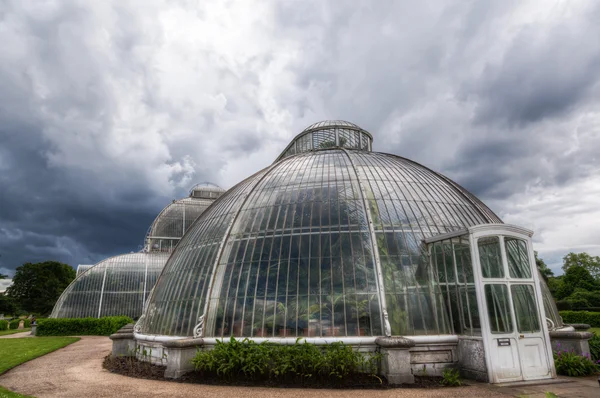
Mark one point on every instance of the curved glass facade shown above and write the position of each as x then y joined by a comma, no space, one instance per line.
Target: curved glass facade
321,243
116,286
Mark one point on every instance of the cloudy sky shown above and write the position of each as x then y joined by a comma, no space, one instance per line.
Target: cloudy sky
110,109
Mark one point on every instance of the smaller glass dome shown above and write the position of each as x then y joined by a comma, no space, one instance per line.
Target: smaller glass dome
170,225
326,135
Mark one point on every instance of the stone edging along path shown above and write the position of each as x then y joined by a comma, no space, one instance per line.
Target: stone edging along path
76,371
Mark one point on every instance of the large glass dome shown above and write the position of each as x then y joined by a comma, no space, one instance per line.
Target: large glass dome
120,285
327,241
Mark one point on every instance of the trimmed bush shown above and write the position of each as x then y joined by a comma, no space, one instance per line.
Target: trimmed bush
26,323
591,318
253,361
3,325
81,326
14,324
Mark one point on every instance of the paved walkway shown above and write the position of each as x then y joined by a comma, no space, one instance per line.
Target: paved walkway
76,371
17,335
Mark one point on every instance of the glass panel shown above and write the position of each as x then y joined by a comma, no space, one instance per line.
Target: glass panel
518,261
489,257
498,308
526,313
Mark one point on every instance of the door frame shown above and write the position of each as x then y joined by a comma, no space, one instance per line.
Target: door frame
483,230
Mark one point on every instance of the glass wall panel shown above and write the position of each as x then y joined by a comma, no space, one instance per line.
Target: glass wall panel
498,308
526,312
518,260
490,257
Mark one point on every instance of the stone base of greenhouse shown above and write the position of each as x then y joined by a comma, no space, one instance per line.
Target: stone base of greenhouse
404,357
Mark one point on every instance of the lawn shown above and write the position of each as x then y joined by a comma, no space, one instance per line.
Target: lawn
4,393
597,330
13,331
16,351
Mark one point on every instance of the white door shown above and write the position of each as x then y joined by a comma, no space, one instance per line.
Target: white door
515,337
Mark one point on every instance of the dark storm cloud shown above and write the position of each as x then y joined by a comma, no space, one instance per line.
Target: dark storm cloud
545,72
110,109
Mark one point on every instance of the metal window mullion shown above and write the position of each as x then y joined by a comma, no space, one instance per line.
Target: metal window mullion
101,293
376,258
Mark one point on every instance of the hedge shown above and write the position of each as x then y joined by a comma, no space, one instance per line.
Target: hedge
14,324
591,318
81,326
3,325
26,323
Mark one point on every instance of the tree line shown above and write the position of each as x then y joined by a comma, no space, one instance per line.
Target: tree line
579,286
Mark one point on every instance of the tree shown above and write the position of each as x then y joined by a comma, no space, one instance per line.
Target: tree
7,305
36,287
590,263
576,277
543,268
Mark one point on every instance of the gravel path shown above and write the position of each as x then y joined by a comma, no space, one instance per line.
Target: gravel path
76,371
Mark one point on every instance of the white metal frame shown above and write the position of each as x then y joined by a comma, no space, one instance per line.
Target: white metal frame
502,230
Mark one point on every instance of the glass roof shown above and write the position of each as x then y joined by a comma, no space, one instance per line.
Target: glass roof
116,286
331,123
326,135
172,222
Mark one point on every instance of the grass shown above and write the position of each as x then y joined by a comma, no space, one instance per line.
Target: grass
13,331
597,330
17,351
4,393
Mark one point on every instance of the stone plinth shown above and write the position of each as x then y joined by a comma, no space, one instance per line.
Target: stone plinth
570,341
123,342
580,326
471,358
396,364
179,356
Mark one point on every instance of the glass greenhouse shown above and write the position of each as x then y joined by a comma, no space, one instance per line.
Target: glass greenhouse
336,242
327,241
120,285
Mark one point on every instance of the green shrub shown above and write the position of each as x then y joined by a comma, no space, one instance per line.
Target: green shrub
451,377
81,326
595,347
251,360
3,325
14,324
591,318
568,363
26,323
